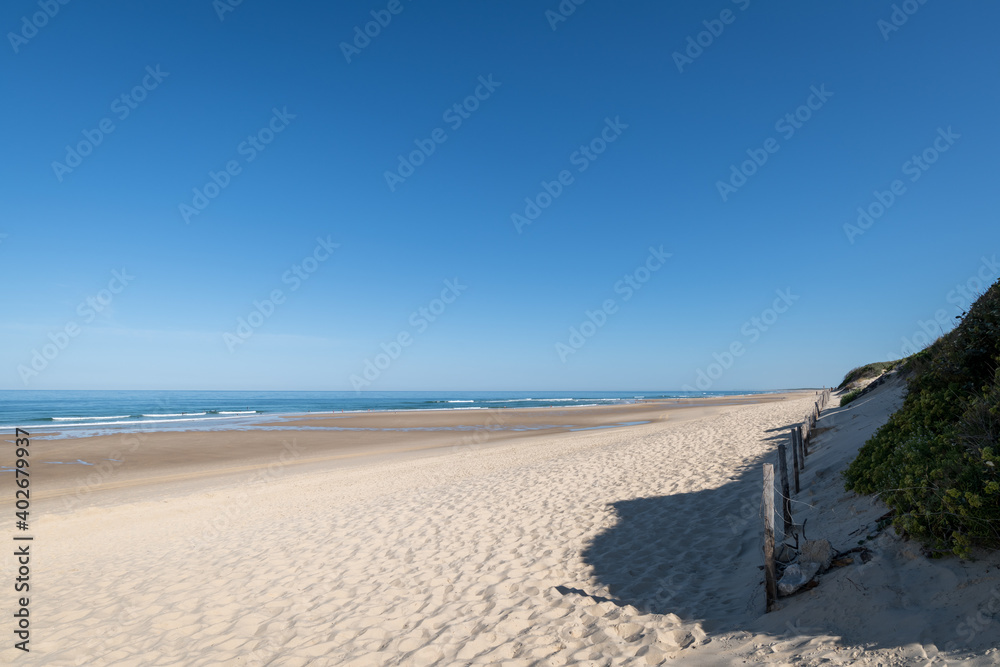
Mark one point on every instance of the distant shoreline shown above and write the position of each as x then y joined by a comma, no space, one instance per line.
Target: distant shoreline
88,414
141,459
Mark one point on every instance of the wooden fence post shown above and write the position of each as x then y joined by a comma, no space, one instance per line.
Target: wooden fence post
802,450
795,461
786,503
770,581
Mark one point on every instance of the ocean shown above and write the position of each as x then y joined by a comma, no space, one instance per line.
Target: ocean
96,412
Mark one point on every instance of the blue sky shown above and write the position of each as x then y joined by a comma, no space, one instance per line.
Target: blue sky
278,73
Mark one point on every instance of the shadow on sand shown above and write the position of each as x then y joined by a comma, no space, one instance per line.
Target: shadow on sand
699,556
691,554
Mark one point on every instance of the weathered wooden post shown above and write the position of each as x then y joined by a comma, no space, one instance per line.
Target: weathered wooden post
795,461
802,448
770,580
786,503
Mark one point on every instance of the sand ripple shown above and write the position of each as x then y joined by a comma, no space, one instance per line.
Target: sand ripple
614,547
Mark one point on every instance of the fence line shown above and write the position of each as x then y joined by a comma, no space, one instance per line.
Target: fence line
800,438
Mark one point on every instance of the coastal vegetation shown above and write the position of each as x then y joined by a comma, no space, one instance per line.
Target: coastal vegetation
849,396
861,380
858,375
936,462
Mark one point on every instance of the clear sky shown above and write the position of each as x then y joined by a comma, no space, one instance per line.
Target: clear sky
625,131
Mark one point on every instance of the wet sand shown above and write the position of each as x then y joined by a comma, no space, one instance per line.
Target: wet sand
148,465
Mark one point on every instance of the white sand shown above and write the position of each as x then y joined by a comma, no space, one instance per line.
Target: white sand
606,547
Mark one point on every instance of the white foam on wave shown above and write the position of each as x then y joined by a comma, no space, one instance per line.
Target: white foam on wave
179,414
472,407
237,412
543,400
137,422
62,419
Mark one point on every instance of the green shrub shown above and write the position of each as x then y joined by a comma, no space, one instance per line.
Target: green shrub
936,462
847,398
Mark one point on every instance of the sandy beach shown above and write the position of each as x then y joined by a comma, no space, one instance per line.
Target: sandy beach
500,334
633,545
162,462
